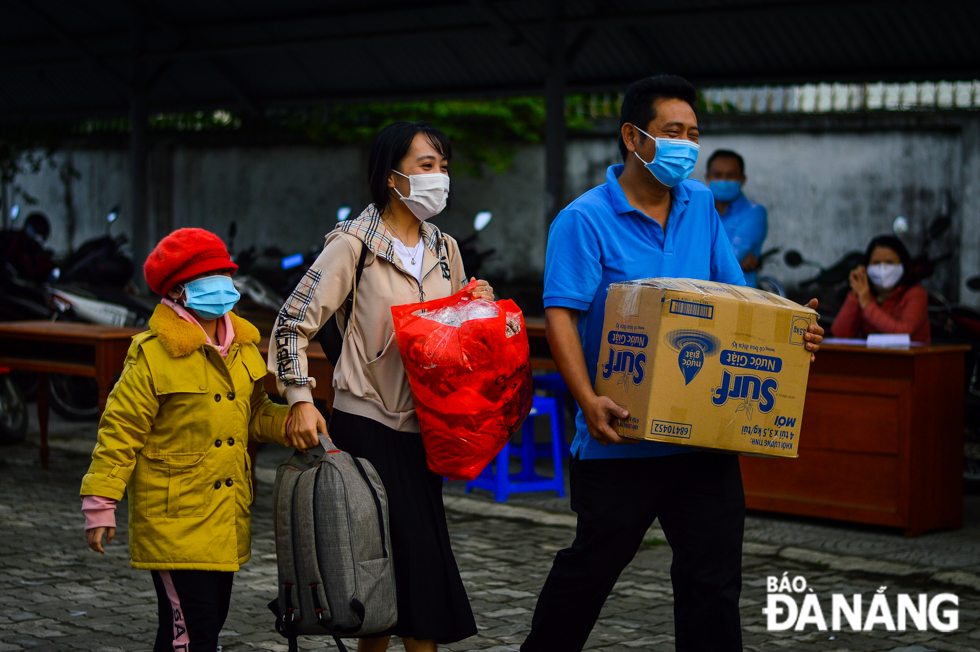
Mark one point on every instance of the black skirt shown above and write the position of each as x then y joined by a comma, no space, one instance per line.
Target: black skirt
432,602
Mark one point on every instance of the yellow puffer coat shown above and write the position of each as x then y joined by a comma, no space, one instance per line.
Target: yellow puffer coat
174,431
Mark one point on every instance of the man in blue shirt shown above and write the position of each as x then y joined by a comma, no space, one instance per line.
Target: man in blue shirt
745,222
645,221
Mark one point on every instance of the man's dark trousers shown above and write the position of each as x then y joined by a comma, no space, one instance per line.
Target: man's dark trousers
699,500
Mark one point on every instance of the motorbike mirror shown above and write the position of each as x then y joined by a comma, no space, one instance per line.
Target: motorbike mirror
481,220
939,226
973,283
113,214
342,213
14,212
793,258
900,226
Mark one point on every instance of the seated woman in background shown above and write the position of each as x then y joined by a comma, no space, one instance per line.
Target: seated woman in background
885,296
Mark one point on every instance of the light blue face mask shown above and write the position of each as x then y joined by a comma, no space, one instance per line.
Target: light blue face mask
211,296
674,160
725,191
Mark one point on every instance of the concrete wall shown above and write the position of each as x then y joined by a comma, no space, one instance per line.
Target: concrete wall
830,193
285,196
969,212
827,192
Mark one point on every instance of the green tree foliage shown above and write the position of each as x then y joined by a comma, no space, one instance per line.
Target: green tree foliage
484,133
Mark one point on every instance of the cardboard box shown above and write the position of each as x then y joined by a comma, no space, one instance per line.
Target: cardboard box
706,365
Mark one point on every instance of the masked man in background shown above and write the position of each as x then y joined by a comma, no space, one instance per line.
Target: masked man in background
745,222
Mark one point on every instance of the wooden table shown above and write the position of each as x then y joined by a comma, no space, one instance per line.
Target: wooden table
99,352
881,441
51,347
319,368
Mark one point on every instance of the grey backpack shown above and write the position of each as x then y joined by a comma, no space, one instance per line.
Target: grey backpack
333,547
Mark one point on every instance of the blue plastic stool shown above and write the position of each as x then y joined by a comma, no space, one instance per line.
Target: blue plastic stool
555,384
497,477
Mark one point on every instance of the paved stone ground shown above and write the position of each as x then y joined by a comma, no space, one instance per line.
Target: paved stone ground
942,552
55,594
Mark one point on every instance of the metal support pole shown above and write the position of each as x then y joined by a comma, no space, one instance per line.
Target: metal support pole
554,131
137,149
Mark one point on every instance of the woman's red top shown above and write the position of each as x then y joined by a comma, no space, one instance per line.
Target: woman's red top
904,311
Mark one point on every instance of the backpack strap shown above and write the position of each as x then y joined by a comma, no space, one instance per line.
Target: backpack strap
349,302
377,503
285,624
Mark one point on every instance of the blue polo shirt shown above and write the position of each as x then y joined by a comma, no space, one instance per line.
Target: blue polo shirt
746,224
600,239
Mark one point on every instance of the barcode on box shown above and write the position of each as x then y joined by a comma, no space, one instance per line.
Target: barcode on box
691,309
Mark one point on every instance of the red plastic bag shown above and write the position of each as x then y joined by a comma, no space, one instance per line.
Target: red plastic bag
468,364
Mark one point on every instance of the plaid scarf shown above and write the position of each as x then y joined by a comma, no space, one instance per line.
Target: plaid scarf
370,229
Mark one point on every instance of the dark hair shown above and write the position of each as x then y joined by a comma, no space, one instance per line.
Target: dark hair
720,153
641,95
390,146
908,276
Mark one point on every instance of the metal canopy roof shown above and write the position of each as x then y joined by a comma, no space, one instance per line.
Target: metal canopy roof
74,58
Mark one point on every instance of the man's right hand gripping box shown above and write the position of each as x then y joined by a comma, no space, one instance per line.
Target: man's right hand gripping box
706,365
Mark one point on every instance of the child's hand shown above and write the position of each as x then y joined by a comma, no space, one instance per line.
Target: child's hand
94,537
306,422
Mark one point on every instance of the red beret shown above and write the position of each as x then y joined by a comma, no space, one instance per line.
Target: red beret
183,254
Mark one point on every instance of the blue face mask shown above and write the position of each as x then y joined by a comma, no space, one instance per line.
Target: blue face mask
211,296
725,191
674,160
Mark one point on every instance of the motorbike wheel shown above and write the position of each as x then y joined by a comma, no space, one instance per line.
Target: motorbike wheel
13,412
75,398
26,382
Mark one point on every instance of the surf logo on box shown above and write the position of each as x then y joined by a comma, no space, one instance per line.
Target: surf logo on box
752,391
625,363
628,364
693,348
798,329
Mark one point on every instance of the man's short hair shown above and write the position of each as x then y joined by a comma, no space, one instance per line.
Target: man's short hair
721,153
641,95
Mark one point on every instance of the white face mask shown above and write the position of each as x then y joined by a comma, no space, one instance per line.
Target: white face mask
428,194
885,276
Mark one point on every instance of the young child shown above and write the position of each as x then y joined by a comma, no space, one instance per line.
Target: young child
175,431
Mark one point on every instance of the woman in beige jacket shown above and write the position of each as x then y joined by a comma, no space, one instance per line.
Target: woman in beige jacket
407,260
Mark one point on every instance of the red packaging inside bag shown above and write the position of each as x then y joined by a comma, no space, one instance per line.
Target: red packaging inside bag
468,364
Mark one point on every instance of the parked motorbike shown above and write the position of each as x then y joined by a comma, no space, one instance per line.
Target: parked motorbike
265,279
100,262
924,263
765,282
960,324
473,257
87,286
829,285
